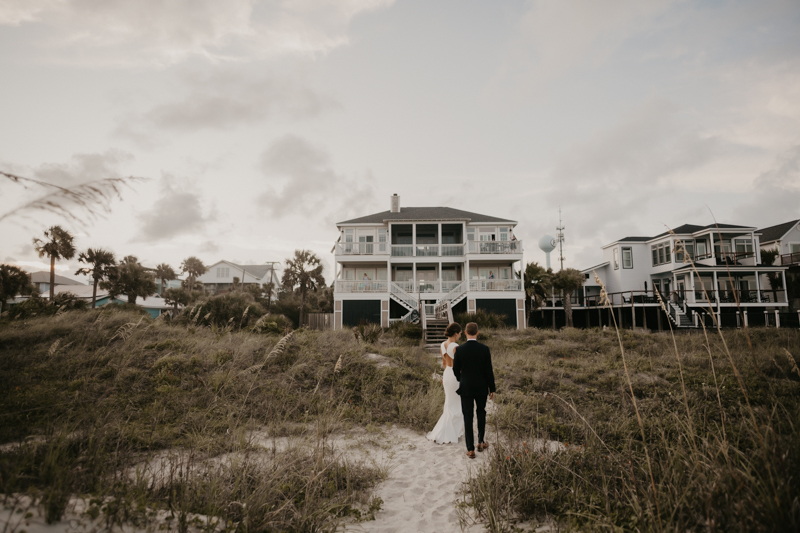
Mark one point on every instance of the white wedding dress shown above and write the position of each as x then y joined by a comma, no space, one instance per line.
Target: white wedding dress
450,426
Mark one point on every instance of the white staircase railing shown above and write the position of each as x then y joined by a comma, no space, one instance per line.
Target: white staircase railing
403,297
455,293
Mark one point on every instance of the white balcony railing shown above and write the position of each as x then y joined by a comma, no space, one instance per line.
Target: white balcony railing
427,250
452,250
495,285
402,250
361,286
362,248
494,247
448,286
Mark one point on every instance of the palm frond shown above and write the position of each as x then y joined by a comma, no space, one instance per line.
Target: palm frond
80,204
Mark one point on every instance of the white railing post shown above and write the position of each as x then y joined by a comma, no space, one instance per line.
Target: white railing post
777,319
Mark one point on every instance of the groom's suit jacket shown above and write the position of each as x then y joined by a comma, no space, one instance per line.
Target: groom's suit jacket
472,366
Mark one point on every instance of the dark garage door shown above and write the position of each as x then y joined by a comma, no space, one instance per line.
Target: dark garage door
354,312
500,307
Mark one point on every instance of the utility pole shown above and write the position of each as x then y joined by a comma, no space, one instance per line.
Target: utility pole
560,239
271,280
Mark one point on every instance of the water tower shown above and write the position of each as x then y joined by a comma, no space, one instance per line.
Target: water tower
547,245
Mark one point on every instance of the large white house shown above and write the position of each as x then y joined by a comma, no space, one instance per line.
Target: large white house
728,279
412,263
219,276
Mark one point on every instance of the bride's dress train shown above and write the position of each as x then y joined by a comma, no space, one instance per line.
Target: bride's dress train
450,426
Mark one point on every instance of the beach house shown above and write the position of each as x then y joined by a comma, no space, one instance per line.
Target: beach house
426,263
699,271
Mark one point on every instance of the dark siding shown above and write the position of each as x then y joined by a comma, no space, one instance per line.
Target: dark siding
396,310
500,307
354,312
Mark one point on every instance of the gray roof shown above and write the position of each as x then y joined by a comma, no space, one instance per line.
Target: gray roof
425,213
43,276
634,239
774,233
687,229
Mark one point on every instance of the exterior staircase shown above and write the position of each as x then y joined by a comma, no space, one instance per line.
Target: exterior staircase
407,301
433,334
678,317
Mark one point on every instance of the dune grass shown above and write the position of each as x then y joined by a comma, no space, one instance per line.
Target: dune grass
90,395
723,457
94,400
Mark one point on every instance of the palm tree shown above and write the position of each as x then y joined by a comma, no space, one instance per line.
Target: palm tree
304,271
13,281
194,267
165,273
537,284
568,281
57,245
101,261
129,277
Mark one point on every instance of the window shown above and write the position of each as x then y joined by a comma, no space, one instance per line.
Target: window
504,234
616,258
223,272
383,235
470,234
627,258
794,248
662,253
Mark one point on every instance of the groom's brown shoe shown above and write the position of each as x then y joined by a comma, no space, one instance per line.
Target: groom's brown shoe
482,446
471,454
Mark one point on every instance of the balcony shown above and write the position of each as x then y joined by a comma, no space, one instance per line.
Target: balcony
494,247
343,286
790,259
362,248
492,285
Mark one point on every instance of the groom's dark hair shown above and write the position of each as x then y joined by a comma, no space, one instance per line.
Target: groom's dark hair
471,329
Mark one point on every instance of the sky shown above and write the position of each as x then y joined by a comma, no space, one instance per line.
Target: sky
260,124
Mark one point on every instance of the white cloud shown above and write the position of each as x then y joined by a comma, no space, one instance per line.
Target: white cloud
153,32
179,211
309,182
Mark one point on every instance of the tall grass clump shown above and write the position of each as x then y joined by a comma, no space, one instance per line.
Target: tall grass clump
144,415
484,319
658,432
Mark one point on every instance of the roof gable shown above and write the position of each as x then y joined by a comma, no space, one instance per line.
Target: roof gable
425,213
775,233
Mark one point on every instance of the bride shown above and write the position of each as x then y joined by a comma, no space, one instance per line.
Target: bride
451,424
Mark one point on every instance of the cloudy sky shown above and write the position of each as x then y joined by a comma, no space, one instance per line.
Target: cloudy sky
262,123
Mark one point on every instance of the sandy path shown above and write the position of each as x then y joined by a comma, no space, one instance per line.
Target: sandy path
423,485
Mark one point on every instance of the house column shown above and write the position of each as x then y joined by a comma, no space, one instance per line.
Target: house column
716,291
413,276
441,288
785,290
389,275
440,246
414,241
758,288
691,285
713,252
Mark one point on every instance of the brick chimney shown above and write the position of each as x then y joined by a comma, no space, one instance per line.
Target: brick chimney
395,205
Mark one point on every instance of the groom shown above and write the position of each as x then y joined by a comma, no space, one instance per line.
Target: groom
472,366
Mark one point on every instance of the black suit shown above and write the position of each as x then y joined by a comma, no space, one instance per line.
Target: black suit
472,366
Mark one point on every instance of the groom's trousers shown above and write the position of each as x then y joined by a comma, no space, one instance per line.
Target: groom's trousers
468,405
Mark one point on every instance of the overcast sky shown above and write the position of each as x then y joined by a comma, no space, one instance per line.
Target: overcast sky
262,123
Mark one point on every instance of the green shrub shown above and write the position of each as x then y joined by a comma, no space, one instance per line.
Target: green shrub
369,332
406,330
484,319
235,309
272,324
37,306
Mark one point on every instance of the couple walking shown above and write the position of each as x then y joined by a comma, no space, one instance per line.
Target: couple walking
468,380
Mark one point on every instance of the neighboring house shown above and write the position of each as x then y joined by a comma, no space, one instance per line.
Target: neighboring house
219,276
727,277
786,238
41,280
391,265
